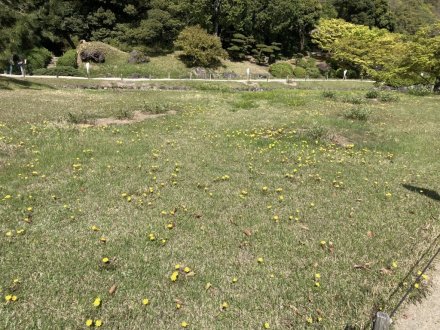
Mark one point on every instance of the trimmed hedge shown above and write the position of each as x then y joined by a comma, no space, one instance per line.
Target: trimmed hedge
68,59
58,71
38,58
299,72
281,70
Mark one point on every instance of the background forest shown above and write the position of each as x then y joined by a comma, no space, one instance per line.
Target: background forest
263,29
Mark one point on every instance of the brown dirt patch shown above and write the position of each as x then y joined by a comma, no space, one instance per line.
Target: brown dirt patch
138,116
339,140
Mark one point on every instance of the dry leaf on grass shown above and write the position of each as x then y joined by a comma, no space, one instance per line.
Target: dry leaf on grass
363,266
112,290
386,271
247,232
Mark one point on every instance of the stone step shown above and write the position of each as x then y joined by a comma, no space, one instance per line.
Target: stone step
53,62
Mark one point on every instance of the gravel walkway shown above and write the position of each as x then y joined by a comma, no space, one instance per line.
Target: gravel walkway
424,315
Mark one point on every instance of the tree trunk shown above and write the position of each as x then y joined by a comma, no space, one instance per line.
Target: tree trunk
216,18
437,85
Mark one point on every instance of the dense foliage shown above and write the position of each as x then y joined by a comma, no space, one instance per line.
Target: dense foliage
262,30
281,70
199,48
155,24
390,57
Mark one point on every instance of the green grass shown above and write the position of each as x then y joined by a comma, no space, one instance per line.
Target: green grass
203,170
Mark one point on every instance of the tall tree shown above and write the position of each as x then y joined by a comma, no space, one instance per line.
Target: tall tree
366,12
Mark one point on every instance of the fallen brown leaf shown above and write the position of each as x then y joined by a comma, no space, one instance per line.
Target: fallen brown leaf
331,247
304,227
386,271
112,290
247,232
363,266
370,234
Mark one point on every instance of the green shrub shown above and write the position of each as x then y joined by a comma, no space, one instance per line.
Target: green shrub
124,114
388,97
419,90
68,59
329,94
353,100
372,94
361,114
38,58
281,70
309,64
58,71
244,104
78,118
158,108
199,47
316,132
299,72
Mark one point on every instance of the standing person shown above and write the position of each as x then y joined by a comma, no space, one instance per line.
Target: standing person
11,65
345,74
23,72
20,65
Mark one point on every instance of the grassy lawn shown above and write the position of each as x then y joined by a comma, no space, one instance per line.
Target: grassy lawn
288,206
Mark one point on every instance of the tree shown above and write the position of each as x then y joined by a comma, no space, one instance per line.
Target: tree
371,51
411,15
366,12
422,58
199,48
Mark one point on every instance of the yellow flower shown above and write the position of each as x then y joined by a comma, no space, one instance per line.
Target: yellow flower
266,325
145,301
103,239
317,275
264,188
187,269
309,320
177,266
89,322
234,280
184,324
317,284
170,226
98,323
323,242
94,228
260,260
9,234
174,276
97,302
225,305
416,285
105,260
8,297
394,264
388,194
